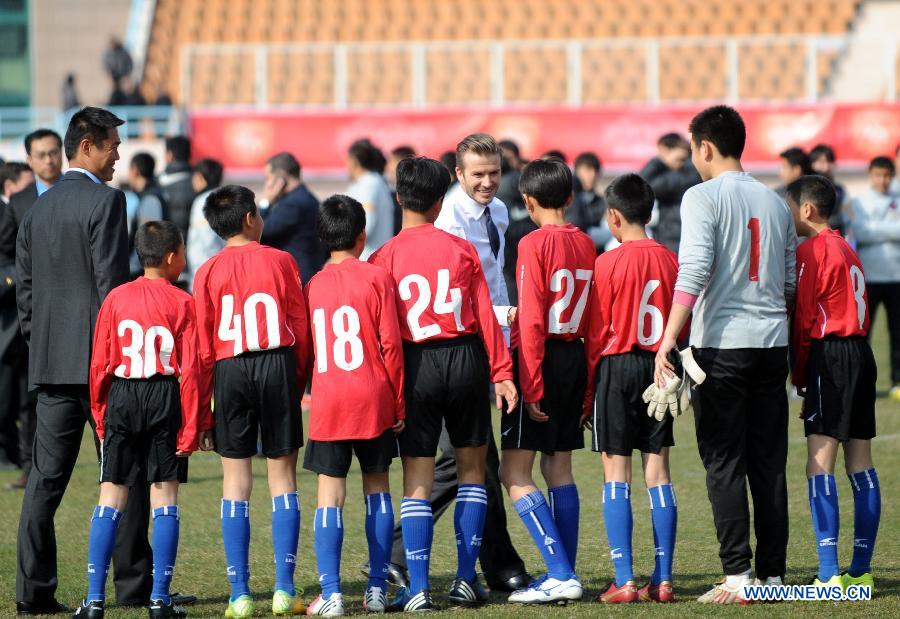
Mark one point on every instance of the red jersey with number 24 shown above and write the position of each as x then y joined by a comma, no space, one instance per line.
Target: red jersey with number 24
442,293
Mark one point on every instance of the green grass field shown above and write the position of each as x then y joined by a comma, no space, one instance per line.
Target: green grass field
201,563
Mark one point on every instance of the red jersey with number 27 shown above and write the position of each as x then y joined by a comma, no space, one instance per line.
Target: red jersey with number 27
632,295
248,299
831,296
442,293
553,274
357,377
147,328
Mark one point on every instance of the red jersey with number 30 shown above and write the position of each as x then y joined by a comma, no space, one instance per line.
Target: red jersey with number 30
248,299
633,288
147,328
831,296
553,275
357,378
442,293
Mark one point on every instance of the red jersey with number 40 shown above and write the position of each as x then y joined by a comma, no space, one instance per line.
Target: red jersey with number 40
831,296
146,328
248,299
441,291
633,288
357,378
553,275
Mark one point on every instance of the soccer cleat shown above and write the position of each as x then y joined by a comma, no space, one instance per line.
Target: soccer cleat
331,607
834,581
721,593
467,593
546,590
241,608
160,610
625,594
409,603
662,592
89,610
894,393
375,600
863,580
770,581
286,605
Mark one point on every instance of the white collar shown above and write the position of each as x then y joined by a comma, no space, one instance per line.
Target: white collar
90,175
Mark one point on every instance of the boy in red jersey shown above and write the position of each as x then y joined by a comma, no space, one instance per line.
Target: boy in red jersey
835,372
553,274
357,404
144,342
633,287
253,332
453,349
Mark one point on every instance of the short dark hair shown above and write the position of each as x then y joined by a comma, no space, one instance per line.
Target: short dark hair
884,163
368,155
673,140
92,123
145,164
420,183
285,162
40,134
155,239
588,159
510,146
797,157
816,189
402,152
226,208
211,171
180,147
12,171
632,196
341,220
723,127
549,181
448,158
822,150
554,153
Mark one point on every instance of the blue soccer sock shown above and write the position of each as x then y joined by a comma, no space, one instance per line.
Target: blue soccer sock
329,539
380,536
619,524
236,539
468,521
823,505
664,514
285,535
417,524
100,547
534,512
866,515
165,548
566,509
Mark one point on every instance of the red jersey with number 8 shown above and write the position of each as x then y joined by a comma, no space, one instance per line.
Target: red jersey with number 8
442,293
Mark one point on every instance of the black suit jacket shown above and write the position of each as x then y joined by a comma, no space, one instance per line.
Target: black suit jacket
10,217
71,250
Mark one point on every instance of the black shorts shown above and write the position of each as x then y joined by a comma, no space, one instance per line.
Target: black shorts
447,382
333,458
565,375
141,427
257,392
840,397
620,420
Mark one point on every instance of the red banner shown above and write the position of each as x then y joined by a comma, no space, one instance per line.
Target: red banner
624,136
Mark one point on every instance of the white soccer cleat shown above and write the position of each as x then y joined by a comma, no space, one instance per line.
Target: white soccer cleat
333,606
722,593
375,600
770,581
548,591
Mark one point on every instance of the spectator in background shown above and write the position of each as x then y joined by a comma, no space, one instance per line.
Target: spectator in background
365,165
876,228
895,184
151,205
670,174
202,242
821,161
390,175
448,158
177,187
70,98
794,164
588,208
511,165
555,154
14,177
290,212
117,62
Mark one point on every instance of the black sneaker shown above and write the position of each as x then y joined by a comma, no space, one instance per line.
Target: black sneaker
467,593
93,610
159,609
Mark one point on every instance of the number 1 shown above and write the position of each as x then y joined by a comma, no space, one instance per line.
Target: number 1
753,225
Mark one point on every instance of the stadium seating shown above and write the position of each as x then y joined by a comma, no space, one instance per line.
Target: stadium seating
532,73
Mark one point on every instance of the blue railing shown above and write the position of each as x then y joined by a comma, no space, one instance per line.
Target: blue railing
140,121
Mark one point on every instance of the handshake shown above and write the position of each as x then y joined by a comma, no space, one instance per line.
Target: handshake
674,396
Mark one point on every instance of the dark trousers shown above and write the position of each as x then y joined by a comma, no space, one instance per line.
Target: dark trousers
889,294
499,559
741,415
61,413
17,418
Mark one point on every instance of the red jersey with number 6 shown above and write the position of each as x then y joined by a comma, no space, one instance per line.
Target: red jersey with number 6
553,274
147,328
357,378
831,296
632,295
248,299
442,293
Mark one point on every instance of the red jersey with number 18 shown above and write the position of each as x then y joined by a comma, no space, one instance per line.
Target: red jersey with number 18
248,299
147,328
442,293
633,288
357,379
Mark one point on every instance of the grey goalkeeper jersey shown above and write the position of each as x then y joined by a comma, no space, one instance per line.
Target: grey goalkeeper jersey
737,255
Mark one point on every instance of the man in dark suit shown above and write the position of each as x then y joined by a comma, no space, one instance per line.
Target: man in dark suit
71,250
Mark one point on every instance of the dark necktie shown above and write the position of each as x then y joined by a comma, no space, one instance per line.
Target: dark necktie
492,232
